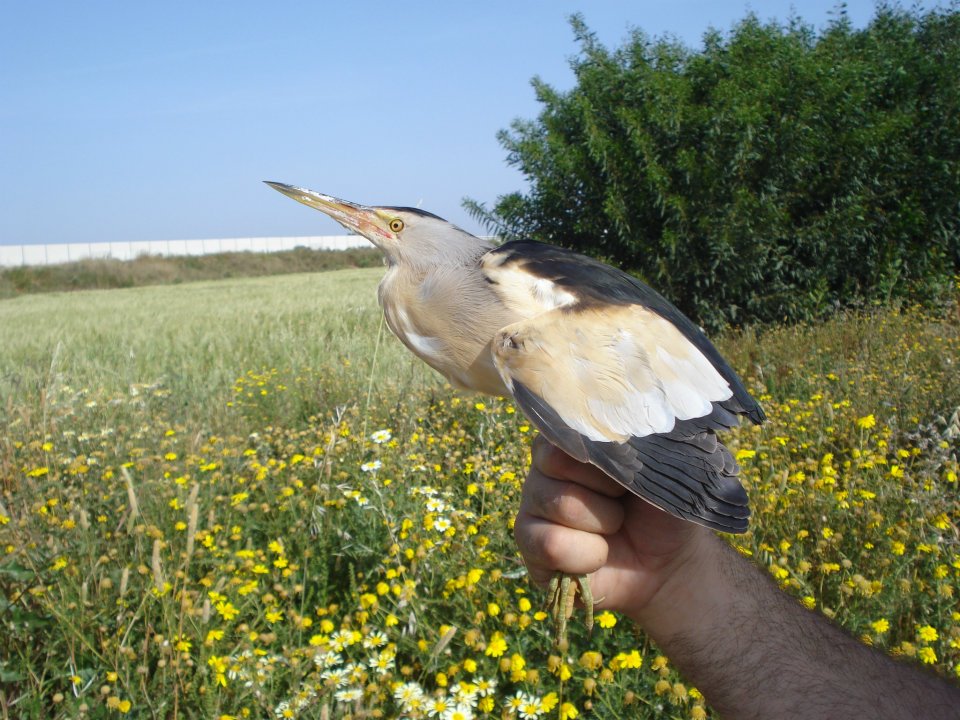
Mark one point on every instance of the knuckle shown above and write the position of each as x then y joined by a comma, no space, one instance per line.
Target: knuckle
554,548
549,459
567,507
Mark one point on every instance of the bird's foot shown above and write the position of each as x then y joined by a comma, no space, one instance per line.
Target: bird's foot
562,593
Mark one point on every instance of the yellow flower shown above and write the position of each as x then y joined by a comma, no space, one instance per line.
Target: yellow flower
367,600
659,662
927,633
568,711
219,666
927,656
591,660
226,610
548,703
517,662
497,645
941,521
115,703
866,422
624,661
606,619
744,454
880,626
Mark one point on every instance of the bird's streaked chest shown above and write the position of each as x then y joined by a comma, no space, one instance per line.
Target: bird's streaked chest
447,318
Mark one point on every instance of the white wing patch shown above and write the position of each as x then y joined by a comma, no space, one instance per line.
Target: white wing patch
521,291
610,373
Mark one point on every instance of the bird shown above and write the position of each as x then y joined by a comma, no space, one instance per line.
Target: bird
606,368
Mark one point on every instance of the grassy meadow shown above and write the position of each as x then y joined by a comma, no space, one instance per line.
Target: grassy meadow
231,499
105,273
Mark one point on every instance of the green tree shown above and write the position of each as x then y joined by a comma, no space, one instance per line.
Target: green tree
772,175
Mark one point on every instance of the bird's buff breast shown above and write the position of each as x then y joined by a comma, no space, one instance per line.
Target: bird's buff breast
436,323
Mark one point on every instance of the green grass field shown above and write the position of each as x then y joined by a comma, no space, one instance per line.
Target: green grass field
229,499
105,273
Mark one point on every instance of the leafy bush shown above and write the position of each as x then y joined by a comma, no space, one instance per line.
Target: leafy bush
772,175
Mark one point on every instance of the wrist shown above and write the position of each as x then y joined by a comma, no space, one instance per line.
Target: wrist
690,588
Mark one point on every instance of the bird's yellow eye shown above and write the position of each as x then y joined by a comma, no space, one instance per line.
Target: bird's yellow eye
396,225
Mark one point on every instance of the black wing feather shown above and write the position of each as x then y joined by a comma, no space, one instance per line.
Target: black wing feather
685,472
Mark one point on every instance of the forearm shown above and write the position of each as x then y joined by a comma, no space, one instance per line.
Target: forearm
756,653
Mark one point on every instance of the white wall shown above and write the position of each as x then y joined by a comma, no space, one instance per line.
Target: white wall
14,255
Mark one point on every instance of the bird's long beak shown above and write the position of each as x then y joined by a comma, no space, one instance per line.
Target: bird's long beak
360,219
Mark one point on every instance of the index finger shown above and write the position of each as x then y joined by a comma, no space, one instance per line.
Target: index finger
555,463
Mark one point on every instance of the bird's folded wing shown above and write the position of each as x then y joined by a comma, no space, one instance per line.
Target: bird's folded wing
531,278
622,388
610,373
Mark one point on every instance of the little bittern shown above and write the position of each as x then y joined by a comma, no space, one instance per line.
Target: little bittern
605,367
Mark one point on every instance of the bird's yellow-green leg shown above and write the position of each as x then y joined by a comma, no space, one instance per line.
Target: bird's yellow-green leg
562,593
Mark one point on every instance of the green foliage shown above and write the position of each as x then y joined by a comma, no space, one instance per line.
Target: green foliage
773,174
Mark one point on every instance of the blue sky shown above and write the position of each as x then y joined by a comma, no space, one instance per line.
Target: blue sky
157,121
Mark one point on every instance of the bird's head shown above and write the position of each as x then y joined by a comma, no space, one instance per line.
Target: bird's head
405,235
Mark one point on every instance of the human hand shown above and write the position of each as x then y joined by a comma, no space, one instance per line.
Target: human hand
574,519
751,649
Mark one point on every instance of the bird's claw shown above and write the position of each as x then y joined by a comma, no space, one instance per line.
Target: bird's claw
562,592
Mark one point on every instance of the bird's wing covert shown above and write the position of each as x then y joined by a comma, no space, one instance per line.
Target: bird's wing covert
623,390
532,277
609,373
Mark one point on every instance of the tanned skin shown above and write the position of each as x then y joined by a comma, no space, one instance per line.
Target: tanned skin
752,650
